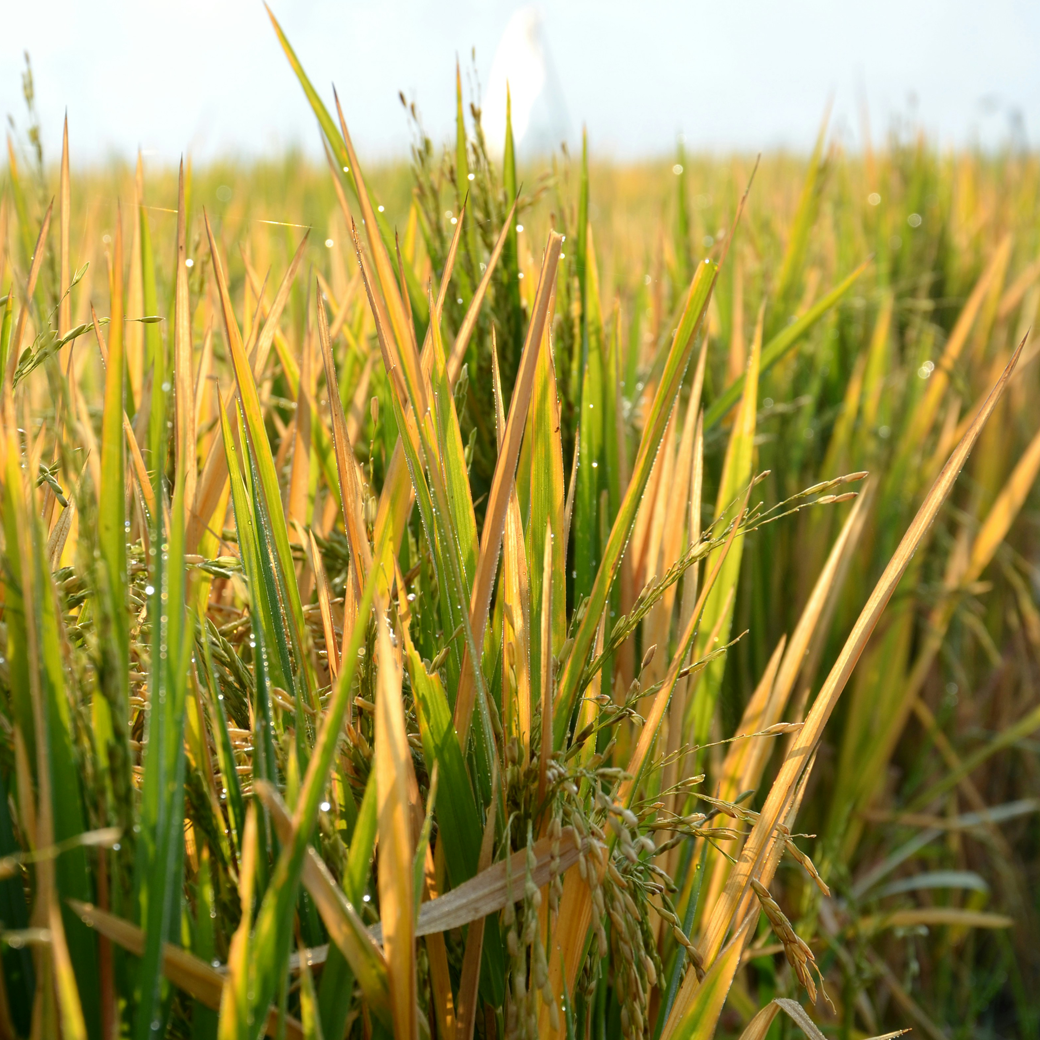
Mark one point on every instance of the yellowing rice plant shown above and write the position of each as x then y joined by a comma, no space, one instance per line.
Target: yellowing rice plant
603,606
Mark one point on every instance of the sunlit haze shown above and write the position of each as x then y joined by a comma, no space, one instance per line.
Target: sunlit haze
210,77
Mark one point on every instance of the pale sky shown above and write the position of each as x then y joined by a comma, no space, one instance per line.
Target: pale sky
743,74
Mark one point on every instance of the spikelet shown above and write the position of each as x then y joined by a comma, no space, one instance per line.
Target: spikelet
807,864
796,949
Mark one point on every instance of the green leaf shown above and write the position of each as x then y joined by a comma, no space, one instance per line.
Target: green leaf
718,607
111,527
458,817
452,453
788,280
656,420
416,296
5,334
780,345
160,845
696,1017
683,253
592,434
336,990
222,739
510,252
463,273
204,1019
273,930
267,493
543,448
264,764
154,357
41,711
19,975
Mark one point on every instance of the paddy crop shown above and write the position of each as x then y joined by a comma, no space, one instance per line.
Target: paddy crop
458,600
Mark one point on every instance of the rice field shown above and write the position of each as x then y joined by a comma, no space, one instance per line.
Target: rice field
455,599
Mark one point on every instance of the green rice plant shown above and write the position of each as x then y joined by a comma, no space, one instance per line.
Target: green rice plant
433,614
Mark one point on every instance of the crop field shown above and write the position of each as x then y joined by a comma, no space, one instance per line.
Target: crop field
457,600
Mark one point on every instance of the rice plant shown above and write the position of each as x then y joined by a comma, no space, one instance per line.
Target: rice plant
427,617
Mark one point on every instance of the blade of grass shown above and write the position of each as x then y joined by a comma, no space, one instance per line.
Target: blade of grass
931,916
490,890
185,403
546,498
64,221
469,321
675,367
160,844
468,985
263,718
212,487
984,547
272,937
351,499
395,839
808,738
736,473
38,662
699,1019
186,971
781,344
339,916
801,226
546,683
144,482
36,263
925,413
648,732
111,516
267,498
504,477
